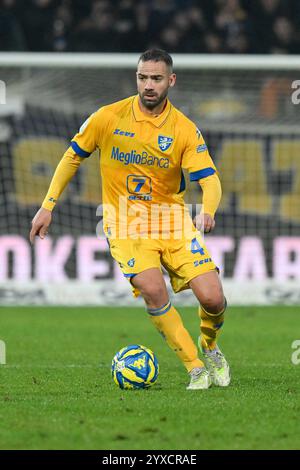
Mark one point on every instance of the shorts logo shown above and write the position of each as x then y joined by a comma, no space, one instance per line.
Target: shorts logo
131,262
164,142
202,261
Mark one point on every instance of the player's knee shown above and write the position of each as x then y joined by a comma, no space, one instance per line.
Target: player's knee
214,304
155,295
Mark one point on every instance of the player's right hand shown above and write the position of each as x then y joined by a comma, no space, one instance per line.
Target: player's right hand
40,224
204,222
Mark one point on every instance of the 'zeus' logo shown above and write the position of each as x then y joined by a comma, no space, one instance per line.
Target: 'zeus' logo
124,133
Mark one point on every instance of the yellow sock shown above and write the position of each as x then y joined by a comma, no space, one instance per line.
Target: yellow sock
168,322
210,325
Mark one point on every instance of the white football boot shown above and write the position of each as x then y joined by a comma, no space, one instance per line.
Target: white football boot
216,365
200,379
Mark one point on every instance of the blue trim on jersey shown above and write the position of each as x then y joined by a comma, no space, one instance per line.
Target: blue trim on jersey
78,150
182,183
130,275
197,175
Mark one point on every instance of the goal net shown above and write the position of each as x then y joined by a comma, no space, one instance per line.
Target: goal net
248,111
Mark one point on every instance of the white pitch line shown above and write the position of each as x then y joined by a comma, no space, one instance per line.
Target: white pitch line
96,366
51,366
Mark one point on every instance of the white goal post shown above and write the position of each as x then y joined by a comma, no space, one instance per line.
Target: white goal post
247,108
118,60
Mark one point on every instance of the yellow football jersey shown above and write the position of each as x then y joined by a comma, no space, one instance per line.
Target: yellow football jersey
141,162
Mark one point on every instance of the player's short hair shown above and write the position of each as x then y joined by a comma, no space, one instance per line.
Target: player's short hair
157,55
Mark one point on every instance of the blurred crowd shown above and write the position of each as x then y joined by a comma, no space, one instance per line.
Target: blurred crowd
183,26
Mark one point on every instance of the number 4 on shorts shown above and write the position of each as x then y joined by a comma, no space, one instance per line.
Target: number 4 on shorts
196,247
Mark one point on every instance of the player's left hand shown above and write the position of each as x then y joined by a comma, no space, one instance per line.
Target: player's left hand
204,222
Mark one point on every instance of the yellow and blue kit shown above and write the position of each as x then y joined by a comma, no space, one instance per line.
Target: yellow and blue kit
141,162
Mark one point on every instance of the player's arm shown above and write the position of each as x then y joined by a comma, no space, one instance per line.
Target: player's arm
197,160
82,145
212,193
64,172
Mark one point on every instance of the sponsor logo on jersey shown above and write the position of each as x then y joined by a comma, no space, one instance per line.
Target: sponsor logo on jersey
201,148
131,262
124,133
139,197
138,158
164,142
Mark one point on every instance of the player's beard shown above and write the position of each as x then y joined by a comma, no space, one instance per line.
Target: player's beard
153,104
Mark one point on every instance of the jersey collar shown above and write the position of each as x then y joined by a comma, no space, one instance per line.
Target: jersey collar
140,116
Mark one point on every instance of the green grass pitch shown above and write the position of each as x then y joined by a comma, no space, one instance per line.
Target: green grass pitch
56,390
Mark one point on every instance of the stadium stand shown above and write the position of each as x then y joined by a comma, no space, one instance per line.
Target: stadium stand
193,26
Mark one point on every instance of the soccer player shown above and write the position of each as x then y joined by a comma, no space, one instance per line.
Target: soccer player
144,144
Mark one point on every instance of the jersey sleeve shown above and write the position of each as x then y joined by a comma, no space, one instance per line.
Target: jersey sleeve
64,172
212,193
196,158
89,135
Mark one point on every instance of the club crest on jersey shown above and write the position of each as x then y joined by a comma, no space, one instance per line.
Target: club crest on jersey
131,262
164,142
